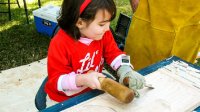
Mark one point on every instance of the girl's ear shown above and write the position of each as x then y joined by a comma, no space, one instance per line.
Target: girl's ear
80,23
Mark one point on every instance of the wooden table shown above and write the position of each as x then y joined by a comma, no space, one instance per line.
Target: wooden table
95,93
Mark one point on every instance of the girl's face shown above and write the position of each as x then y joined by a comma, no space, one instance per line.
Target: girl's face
96,29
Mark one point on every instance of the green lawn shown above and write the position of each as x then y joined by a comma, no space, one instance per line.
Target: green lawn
20,43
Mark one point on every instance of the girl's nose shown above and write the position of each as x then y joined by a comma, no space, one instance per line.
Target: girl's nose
107,27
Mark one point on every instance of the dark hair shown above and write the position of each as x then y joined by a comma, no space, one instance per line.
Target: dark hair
70,12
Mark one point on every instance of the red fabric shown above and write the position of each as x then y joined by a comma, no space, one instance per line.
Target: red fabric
66,55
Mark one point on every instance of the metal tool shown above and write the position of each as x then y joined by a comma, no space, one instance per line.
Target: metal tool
126,82
149,86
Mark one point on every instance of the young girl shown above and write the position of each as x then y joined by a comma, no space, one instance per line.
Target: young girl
82,44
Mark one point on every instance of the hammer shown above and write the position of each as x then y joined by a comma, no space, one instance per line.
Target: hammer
120,92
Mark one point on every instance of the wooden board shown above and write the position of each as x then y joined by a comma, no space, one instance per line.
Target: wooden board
172,93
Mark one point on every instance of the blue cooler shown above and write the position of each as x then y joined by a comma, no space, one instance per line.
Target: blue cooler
46,19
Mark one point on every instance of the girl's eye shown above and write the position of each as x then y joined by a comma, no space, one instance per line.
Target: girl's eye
101,24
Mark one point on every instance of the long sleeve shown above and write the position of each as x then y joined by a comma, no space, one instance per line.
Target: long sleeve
58,63
111,52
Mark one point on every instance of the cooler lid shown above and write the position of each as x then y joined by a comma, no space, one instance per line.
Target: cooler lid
48,12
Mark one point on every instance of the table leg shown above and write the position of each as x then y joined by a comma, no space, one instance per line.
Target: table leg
18,3
26,11
39,3
9,12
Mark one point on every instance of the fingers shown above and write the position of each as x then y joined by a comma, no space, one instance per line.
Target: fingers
96,84
140,82
94,79
134,4
134,88
100,75
137,94
137,81
134,83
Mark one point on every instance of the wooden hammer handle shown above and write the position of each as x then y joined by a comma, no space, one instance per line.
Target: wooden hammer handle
121,92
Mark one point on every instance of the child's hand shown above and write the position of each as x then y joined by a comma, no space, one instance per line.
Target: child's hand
136,80
134,4
89,79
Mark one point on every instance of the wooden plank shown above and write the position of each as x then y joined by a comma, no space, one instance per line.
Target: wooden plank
170,95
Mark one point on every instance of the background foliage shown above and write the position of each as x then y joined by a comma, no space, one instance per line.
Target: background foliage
20,43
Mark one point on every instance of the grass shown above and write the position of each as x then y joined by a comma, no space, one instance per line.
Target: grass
20,43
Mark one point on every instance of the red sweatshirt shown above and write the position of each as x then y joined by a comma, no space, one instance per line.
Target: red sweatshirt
66,55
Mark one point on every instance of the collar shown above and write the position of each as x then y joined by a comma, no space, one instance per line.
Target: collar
85,41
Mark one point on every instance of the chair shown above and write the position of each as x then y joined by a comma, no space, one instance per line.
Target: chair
9,12
55,31
121,30
40,98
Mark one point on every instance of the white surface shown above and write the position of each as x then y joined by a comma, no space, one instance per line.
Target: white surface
48,12
18,87
172,93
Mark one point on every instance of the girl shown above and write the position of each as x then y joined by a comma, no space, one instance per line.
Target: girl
82,44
